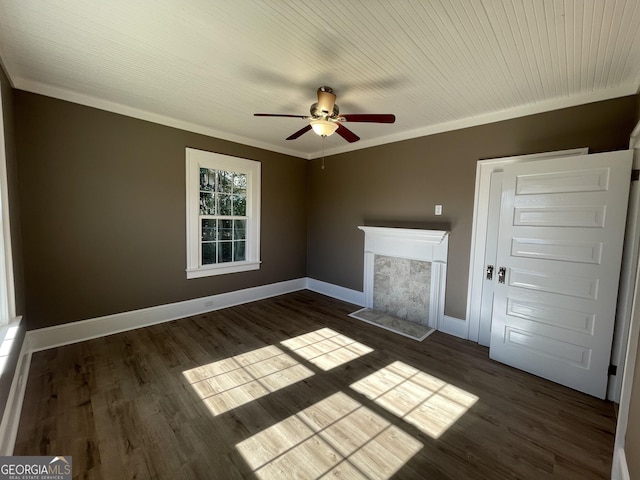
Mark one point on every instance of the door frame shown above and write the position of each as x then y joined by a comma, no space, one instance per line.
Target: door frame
619,468
484,169
627,281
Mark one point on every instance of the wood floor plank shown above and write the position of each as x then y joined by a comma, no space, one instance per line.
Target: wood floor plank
292,387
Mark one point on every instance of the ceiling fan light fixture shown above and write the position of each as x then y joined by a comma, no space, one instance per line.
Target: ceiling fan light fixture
324,128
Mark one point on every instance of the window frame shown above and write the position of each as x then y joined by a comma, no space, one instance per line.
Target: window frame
196,159
7,287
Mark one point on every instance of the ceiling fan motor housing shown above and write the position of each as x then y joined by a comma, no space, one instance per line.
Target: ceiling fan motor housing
326,104
317,112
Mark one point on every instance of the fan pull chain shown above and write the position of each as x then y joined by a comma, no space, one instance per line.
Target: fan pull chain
323,137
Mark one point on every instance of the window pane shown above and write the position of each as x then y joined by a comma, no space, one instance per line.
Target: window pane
224,204
239,229
207,179
208,230
224,252
225,181
239,183
226,230
239,205
239,251
208,253
207,204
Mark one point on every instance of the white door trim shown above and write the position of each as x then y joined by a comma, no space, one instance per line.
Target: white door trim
484,170
619,468
627,286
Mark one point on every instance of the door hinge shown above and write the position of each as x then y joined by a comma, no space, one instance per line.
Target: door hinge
613,369
635,175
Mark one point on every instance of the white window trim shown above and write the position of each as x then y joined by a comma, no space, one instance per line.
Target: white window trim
197,159
7,288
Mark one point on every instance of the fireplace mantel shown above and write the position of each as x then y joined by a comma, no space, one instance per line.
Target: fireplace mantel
426,245
429,236
414,244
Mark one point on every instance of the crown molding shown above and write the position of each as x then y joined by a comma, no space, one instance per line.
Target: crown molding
113,107
508,114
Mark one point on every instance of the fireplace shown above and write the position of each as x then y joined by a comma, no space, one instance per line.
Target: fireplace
405,275
401,287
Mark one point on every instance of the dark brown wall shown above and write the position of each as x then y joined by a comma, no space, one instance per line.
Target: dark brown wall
102,198
103,212
400,183
10,154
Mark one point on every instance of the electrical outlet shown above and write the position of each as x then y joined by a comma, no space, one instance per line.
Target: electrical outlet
438,209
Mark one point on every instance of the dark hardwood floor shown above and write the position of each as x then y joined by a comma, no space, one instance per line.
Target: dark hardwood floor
291,387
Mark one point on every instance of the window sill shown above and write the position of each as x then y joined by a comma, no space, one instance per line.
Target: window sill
222,269
8,334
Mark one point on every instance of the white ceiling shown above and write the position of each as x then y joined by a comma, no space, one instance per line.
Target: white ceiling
208,65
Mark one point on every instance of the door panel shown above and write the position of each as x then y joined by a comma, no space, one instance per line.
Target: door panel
490,256
551,348
561,317
554,282
561,232
587,216
557,250
563,182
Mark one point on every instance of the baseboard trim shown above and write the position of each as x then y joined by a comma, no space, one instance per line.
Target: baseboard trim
336,291
68,333
80,331
620,469
453,326
13,408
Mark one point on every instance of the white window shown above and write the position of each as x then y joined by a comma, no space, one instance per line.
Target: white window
223,214
7,297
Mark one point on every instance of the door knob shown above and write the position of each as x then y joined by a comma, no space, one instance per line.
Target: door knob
489,272
502,273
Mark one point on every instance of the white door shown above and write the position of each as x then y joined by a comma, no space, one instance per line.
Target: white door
561,234
490,257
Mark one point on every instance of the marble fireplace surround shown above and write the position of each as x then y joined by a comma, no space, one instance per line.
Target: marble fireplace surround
411,244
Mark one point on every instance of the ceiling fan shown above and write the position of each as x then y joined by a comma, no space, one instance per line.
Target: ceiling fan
326,119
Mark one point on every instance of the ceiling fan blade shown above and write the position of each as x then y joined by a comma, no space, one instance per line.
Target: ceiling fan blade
369,117
300,132
347,134
279,115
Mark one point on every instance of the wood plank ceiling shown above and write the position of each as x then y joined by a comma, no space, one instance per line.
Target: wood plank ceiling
207,66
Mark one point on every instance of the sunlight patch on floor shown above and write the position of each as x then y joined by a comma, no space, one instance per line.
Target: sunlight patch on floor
430,404
326,348
5,347
235,381
334,438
